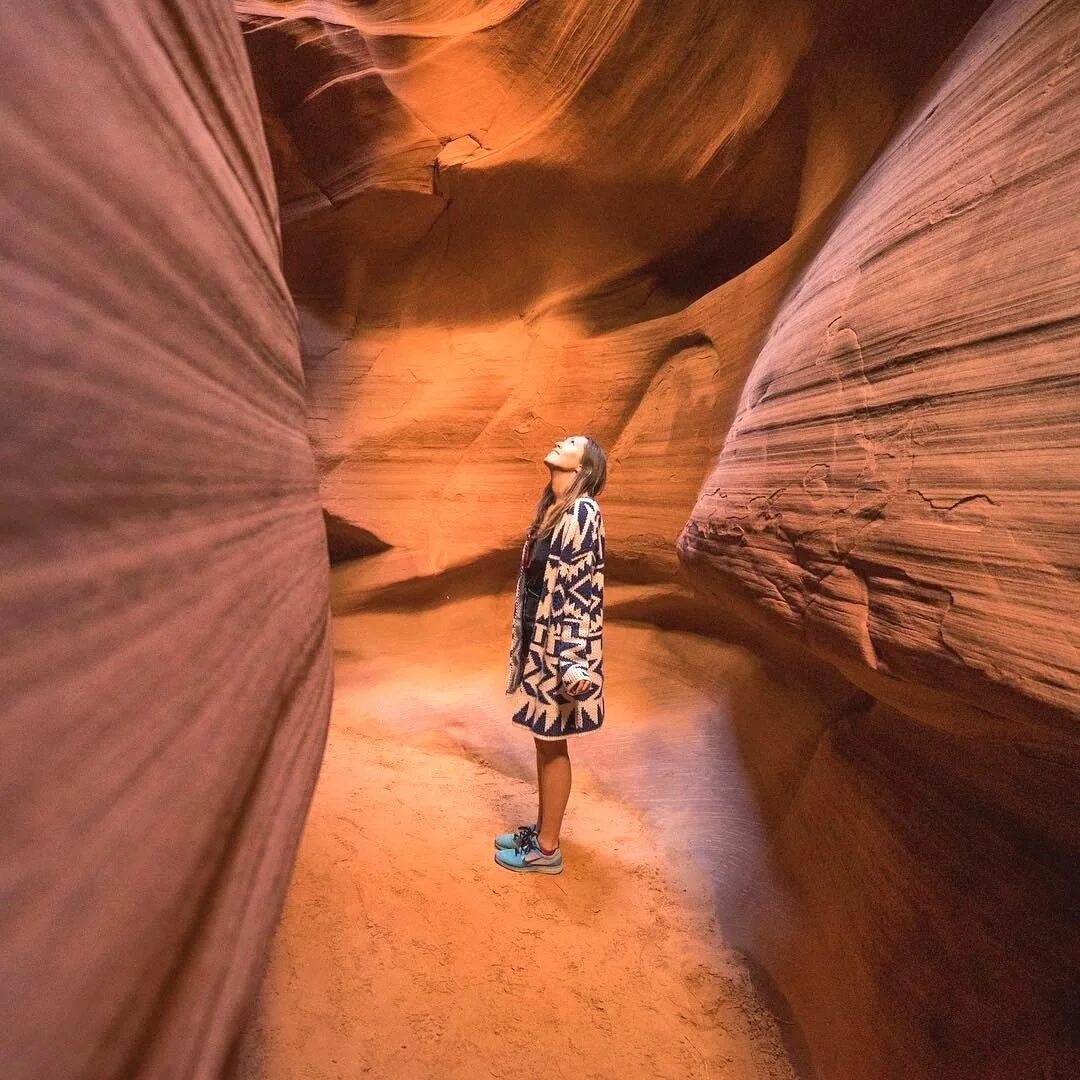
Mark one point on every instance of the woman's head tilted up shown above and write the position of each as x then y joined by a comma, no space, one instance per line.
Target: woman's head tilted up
577,466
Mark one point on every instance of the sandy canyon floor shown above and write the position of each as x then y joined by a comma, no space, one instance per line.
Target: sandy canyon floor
405,951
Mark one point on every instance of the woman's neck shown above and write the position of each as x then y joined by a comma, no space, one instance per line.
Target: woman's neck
561,479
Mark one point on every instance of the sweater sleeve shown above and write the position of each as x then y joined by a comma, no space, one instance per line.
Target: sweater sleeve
577,592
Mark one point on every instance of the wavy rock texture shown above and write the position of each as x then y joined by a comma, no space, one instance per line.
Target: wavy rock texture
581,217
901,473
165,664
899,490
505,223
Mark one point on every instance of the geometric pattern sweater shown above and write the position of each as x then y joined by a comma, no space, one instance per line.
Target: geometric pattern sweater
567,637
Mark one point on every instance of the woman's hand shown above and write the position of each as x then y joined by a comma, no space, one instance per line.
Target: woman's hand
575,683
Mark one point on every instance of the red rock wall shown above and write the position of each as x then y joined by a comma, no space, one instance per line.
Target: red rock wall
508,223
898,492
900,474
165,657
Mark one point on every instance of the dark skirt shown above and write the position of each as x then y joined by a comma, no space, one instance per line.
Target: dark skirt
528,622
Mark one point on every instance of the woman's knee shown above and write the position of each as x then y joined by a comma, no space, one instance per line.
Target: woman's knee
551,748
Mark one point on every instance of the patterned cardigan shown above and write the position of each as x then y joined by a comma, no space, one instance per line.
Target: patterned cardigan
568,634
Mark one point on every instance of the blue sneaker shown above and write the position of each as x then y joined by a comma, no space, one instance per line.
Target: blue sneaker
529,858
507,841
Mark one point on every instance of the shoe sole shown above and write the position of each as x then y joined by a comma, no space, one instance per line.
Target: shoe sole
531,869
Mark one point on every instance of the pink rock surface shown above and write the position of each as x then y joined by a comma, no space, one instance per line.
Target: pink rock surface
165,662
898,494
899,485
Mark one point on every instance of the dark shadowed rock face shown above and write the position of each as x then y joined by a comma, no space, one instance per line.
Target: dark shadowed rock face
165,661
345,541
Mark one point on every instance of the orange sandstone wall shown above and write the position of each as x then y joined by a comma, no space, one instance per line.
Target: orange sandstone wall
165,660
509,222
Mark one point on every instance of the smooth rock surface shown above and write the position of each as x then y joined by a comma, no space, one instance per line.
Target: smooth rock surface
165,661
613,199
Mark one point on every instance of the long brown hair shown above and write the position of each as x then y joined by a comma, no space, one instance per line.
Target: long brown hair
590,481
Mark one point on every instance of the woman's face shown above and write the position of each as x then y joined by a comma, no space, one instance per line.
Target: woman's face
566,453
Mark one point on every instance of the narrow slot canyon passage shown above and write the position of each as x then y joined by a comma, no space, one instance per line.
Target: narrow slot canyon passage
746,250
308,308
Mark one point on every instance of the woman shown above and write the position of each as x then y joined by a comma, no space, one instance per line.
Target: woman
556,650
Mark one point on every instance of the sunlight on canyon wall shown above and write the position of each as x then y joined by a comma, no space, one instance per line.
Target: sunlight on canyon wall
808,272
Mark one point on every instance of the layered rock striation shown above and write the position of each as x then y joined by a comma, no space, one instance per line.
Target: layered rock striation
165,667
898,494
899,483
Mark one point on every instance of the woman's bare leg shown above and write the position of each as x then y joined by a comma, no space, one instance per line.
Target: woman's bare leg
539,785
555,785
